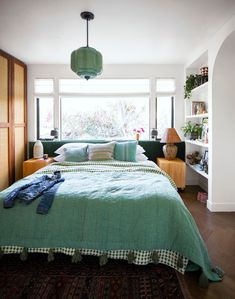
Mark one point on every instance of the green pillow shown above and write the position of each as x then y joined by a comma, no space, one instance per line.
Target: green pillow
76,154
125,151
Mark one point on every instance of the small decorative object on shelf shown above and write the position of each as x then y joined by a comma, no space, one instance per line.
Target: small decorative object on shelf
205,130
204,74
194,158
204,162
38,150
193,130
138,132
198,108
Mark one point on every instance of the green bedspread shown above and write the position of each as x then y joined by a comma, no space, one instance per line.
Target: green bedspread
107,206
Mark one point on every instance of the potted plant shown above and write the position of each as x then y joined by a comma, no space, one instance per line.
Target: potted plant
193,130
189,85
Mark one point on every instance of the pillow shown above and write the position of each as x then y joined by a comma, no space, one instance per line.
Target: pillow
141,157
125,151
103,151
140,149
60,150
76,154
60,158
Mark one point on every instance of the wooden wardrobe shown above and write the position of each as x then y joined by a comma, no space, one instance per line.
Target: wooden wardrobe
13,130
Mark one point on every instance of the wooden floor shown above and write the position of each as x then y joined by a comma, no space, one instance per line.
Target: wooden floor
218,232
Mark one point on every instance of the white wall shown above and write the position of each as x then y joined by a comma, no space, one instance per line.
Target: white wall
110,71
222,107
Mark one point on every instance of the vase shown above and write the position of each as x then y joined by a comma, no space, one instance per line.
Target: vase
137,136
38,150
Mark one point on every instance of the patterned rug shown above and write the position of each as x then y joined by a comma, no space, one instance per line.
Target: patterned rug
38,279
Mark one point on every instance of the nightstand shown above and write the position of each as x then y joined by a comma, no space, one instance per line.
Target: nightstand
175,168
32,165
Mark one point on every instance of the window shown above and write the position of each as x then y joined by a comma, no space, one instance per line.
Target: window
104,86
45,117
164,113
44,90
104,108
42,86
165,89
103,117
165,85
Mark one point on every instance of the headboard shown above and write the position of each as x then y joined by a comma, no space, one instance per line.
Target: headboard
153,148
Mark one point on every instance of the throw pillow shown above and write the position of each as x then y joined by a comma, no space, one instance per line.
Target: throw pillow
103,151
76,154
125,151
60,150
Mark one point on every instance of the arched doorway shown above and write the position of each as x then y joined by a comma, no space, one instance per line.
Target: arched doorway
222,184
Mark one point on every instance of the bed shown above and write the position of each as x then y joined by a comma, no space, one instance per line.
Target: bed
111,209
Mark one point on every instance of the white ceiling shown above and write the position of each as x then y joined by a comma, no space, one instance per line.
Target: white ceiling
125,32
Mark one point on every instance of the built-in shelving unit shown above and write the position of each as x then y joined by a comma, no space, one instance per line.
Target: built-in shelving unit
199,96
196,168
197,142
203,115
200,88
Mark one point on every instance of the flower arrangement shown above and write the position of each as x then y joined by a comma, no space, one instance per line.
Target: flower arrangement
138,132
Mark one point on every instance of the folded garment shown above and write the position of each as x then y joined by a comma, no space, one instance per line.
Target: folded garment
47,199
28,192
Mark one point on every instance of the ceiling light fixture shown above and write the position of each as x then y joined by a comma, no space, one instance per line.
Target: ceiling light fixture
86,62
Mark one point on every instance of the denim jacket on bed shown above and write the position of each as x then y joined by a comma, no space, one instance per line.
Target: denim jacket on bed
44,185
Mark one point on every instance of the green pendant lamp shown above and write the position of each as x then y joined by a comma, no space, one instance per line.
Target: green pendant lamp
86,62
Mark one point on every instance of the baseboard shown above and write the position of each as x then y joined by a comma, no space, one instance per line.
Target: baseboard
220,207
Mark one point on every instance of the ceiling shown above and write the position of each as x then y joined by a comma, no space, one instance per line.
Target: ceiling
125,32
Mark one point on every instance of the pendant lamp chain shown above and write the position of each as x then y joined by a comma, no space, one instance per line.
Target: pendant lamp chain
87,35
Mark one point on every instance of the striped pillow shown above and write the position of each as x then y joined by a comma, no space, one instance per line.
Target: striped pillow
125,151
103,151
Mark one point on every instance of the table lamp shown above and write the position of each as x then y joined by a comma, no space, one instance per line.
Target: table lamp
170,137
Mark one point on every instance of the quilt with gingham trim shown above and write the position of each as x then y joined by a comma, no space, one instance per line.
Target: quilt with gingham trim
107,206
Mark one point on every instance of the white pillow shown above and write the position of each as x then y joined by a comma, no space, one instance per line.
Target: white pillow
60,150
60,158
140,149
141,157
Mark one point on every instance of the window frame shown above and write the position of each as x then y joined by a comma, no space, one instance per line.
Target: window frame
172,109
171,94
152,100
37,99
37,96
